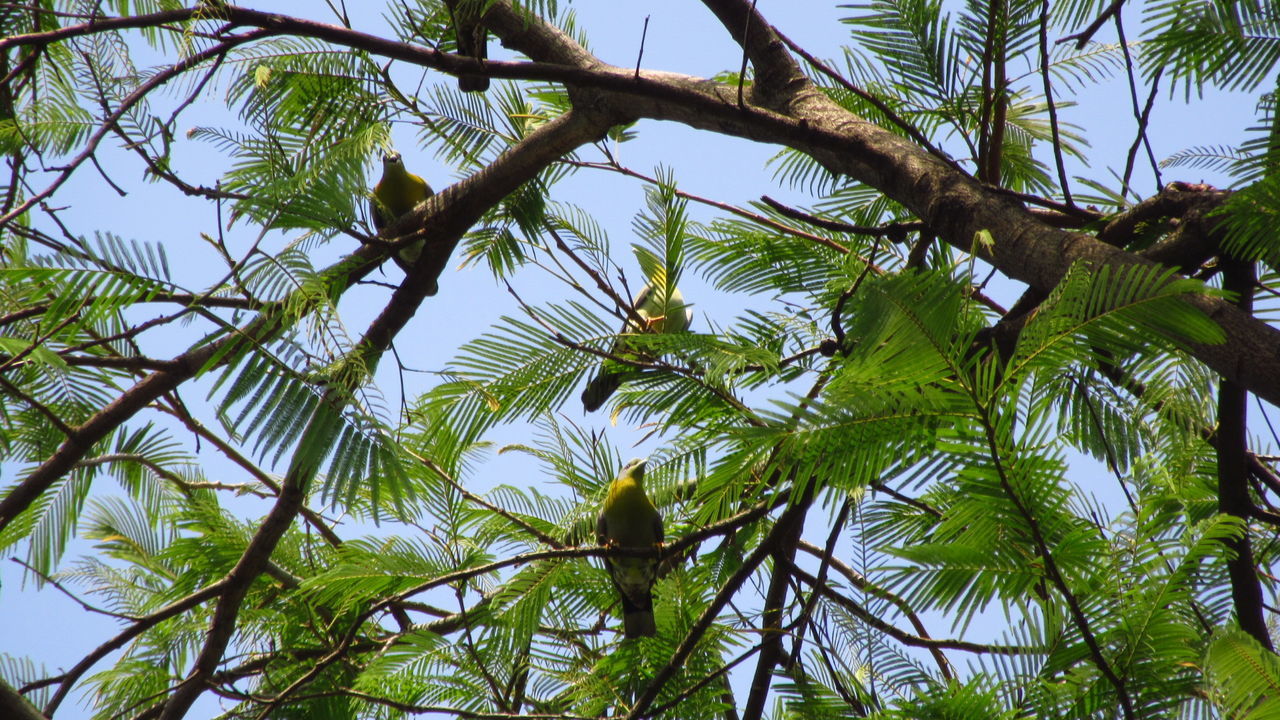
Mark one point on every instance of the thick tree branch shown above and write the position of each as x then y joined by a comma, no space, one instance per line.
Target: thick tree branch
949,202
952,204
777,75
441,221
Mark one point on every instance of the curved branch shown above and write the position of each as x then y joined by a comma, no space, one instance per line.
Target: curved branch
934,645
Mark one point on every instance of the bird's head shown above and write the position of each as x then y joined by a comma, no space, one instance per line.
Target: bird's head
634,469
391,159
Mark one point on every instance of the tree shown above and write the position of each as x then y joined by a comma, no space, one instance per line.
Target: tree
885,447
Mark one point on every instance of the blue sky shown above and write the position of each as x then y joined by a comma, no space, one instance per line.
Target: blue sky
681,37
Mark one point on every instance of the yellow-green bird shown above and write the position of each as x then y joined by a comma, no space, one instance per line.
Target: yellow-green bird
660,314
629,520
398,191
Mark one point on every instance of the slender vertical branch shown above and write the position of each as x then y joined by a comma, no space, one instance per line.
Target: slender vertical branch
644,32
700,627
771,652
746,43
1233,471
1054,573
1141,115
1048,98
991,114
1000,93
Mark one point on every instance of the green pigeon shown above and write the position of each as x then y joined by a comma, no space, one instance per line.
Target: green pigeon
658,314
398,191
628,520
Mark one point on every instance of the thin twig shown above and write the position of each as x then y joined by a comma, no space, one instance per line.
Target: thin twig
1082,38
876,102
746,36
824,565
836,327
640,55
1141,115
894,230
86,606
723,670
40,407
1053,108
904,637
1050,565
755,217
495,509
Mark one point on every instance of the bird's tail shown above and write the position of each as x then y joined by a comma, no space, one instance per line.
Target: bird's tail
638,621
603,385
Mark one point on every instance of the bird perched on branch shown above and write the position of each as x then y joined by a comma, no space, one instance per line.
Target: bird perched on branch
398,191
473,40
629,520
658,314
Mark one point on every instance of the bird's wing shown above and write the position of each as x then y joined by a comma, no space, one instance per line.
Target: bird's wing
602,527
